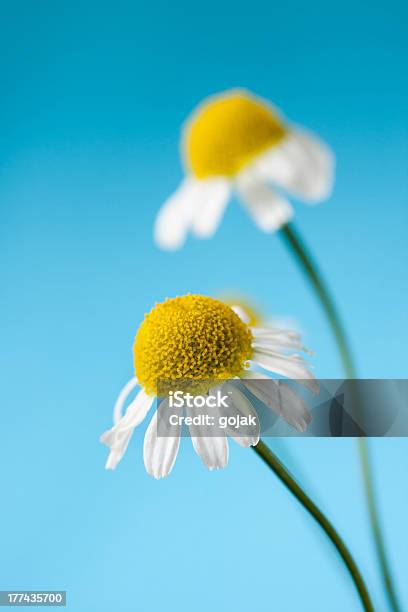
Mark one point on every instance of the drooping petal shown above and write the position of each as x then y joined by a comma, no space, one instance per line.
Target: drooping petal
122,397
274,331
118,437
134,415
269,210
280,398
213,450
210,207
291,366
294,410
197,205
118,449
242,407
175,216
277,339
160,452
241,313
301,163
319,166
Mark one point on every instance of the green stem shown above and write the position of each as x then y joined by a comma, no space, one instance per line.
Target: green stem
375,524
298,247
281,472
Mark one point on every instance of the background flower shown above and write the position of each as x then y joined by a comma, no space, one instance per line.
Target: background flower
234,141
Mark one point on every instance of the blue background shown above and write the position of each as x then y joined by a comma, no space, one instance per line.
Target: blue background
93,96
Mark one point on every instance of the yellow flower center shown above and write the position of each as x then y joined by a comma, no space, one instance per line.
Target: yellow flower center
228,131
190,338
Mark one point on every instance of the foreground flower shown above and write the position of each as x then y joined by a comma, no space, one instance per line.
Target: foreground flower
197,338
237,142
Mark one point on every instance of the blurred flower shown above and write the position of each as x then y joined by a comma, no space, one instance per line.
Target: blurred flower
197,338
235,141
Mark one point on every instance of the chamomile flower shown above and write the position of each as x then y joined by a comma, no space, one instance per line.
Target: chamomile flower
236,142
196,338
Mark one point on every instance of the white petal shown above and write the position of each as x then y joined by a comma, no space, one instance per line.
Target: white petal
274,331
280,398
208,212
118,450
301,163
269,210
272,351
319,165
276,340
160,453
118,437
122,397
241,406
212,450
175,216
294,410
241,313
290,366
135,414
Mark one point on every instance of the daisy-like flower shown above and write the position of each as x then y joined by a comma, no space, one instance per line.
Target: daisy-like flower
236,142
197,338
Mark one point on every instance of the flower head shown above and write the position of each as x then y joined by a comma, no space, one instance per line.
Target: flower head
201,342
235,141
227,132
190,338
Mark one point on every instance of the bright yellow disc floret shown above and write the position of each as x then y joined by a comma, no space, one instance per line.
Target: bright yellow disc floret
190,338
228,131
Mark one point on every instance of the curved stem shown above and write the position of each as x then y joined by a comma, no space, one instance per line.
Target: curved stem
373,512
281,472
298,247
